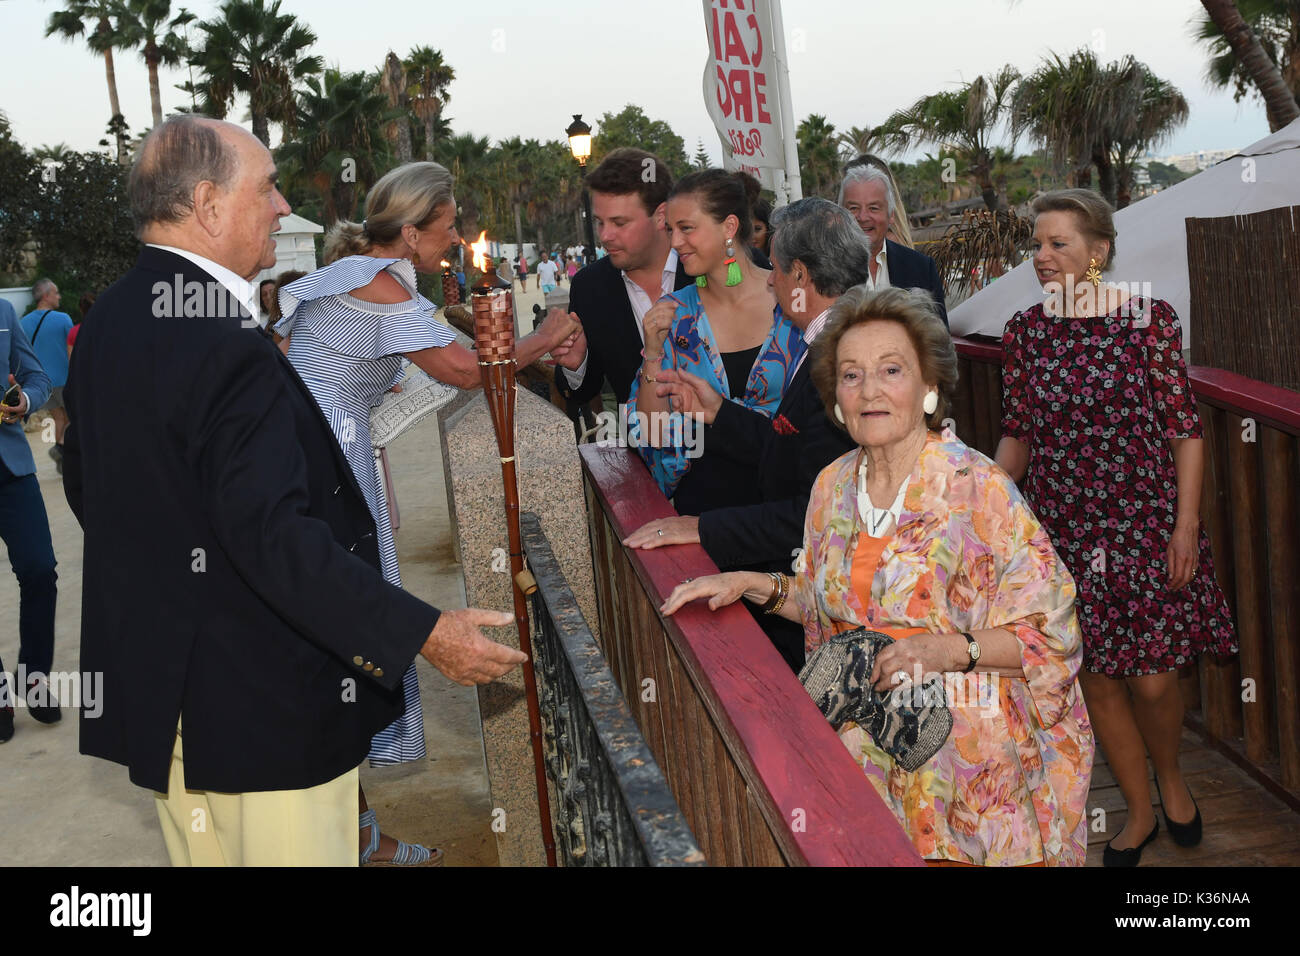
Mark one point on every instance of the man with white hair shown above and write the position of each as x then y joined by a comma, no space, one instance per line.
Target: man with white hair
232,595
868,195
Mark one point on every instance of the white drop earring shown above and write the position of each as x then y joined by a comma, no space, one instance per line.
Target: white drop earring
931,402
839,414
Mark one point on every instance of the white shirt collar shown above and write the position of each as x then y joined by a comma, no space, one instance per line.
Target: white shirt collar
243,290
670,269
815,327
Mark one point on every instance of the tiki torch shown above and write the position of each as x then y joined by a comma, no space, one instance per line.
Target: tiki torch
494,339
450,287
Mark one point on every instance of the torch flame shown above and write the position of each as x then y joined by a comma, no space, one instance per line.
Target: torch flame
480,252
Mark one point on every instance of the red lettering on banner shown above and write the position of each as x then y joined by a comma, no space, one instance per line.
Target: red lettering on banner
760,98
738,82
742,90
735,45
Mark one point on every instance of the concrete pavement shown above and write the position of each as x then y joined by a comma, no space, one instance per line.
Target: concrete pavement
58,808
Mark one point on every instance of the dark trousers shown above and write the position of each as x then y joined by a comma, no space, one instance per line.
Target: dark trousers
25,530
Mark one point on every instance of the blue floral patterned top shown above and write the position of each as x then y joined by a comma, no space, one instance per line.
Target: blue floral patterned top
691,347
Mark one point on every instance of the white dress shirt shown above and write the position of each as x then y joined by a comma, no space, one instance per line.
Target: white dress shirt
809,334
881,281
640,303
243,290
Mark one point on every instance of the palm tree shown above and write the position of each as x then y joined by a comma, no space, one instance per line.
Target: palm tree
56,153
468,158
964,120
428,76
857,140
145,24
1276,26
392,81
819,159
1253,60
1159,110
1059,106
70,23
1087,114
340,149
252,48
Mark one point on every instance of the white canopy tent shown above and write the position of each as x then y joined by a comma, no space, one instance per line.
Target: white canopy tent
1151,240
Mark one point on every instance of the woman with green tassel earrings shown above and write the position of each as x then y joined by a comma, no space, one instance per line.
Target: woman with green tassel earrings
727,329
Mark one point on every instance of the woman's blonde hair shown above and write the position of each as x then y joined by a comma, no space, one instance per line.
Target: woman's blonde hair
916,312
412,193
1091,212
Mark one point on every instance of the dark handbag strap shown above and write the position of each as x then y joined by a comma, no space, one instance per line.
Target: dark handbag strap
37,330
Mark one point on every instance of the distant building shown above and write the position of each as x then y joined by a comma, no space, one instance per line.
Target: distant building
1193,162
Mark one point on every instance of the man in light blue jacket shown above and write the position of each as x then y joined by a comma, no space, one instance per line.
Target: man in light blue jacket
25,530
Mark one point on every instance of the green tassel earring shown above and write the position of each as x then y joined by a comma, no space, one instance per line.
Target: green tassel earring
701,281
733,267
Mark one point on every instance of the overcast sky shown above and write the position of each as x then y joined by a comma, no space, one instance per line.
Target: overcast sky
523,68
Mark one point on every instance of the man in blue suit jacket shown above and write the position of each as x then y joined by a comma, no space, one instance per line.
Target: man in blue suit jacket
25,529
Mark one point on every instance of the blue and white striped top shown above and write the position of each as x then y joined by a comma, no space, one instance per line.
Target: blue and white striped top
349,353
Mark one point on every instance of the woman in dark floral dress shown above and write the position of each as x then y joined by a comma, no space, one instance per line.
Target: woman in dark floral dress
1100,420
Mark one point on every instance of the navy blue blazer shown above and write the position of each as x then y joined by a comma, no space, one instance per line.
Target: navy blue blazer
909,269
20,362
231,572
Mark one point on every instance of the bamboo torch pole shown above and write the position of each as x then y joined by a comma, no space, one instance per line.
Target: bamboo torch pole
494,339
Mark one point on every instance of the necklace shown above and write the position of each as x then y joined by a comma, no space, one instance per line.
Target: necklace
877,519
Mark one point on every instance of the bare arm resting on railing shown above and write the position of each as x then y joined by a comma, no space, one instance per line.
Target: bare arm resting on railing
1000,651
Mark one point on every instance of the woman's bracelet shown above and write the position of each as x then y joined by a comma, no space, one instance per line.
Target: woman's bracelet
780,590
657,360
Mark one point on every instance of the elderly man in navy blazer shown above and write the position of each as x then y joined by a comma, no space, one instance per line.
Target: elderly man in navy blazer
232,597
25,530
868,195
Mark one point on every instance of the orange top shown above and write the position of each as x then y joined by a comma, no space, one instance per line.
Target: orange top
866,559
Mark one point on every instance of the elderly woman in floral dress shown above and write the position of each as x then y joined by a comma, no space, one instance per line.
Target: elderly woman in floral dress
916,536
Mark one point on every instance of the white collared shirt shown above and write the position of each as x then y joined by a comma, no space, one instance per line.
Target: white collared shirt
881,281
641,304
243,290
809,334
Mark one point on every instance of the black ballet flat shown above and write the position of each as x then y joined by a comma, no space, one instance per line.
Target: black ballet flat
1184,834
1130,857
6,723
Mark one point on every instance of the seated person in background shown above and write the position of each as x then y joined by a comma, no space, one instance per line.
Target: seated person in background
611,295
867,193
818,254
918,537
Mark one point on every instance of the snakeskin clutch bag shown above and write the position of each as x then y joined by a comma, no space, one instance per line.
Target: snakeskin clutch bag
909,726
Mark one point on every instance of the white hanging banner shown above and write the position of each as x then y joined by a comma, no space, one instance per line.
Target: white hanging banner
745,86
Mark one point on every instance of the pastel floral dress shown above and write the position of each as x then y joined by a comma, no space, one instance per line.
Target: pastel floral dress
1010,786
1098,401
691,347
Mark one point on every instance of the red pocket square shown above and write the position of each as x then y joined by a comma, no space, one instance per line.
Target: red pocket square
781,425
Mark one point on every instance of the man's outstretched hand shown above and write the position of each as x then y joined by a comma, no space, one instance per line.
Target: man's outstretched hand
458,648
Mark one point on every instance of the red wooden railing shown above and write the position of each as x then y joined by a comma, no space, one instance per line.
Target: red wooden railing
1248,707
759,774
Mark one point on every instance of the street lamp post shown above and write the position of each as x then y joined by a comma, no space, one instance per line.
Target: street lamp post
579,134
